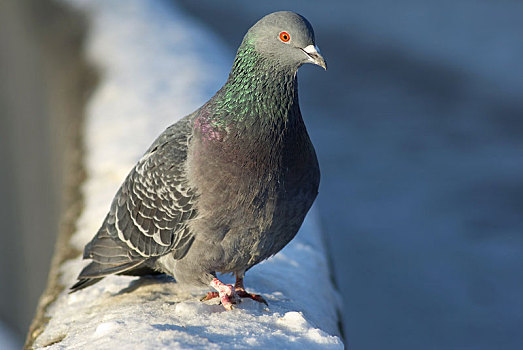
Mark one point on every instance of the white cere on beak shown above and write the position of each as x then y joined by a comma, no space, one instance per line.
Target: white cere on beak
311,50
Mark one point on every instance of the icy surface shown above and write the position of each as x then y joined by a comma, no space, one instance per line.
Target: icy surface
157,66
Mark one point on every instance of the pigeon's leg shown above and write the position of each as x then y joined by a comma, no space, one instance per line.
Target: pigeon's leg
240,291
226,292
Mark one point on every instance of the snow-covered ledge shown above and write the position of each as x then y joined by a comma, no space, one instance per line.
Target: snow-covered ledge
156,66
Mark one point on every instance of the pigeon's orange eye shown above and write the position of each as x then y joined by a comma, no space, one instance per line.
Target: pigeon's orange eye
284,36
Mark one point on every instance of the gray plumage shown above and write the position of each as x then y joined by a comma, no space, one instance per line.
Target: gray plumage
228,185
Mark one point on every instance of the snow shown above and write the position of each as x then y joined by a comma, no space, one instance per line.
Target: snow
157,66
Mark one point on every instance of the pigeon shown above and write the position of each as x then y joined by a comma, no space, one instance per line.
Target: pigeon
227,186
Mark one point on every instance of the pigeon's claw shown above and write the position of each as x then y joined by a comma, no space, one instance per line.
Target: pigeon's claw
242,293
255,297
210,295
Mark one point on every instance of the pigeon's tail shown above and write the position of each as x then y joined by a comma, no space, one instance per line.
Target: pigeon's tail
84,282
95,272
108,256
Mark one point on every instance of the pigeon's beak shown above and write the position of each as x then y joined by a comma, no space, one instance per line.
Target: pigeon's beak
313,52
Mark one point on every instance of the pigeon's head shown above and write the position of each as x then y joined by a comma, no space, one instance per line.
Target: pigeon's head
286,38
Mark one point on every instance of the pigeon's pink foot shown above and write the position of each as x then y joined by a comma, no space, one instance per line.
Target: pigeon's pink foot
255,297
226,292
242,293
230,295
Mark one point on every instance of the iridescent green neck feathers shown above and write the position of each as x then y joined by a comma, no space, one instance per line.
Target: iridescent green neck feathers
257,87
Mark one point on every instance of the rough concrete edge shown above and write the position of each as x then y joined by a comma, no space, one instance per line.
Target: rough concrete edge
69,28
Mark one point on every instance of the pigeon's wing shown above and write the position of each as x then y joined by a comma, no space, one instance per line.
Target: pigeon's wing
154,204
149,214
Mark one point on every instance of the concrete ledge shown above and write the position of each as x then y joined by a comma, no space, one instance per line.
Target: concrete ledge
156,66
